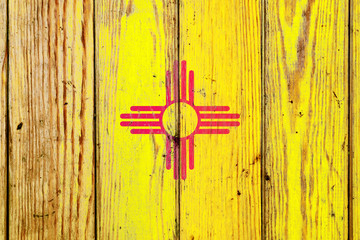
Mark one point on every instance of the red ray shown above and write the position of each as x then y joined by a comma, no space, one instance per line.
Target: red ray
212,108
140,124
147,131
168,152
212,131
139,116
147,108
183,158
176,158
220,116
168,88
191,87
183,80
219,124
191,152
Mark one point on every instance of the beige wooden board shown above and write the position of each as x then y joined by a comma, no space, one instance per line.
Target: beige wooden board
3,122
51,119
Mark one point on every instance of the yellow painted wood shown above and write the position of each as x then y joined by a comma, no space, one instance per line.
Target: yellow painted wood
306,119
3,96
221,42
355,119
51,120
135,46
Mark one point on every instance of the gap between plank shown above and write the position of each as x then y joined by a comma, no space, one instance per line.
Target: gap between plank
7,128
95,119
262,135
350,155
178,184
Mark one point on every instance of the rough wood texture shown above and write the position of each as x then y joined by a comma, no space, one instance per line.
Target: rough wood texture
221,42
306,127
135,46
51,119
355,119
3,96
301,121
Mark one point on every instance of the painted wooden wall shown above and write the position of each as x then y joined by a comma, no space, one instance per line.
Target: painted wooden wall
70,169
306,119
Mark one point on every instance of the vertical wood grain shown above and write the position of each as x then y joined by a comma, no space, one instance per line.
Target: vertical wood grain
51,119
135,46
355,119
221,43
306,119
3,123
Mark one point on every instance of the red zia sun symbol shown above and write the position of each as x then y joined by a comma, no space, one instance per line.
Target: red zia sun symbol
180,130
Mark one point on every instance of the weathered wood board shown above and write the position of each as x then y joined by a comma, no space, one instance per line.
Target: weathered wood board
221,43
135,45
51,105
306,119
3,119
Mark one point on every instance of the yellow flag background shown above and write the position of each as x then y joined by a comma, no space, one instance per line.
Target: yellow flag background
289,69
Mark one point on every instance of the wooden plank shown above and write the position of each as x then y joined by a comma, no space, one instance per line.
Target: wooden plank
354,227
306,126
51,119
221,43
135,46
3,109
